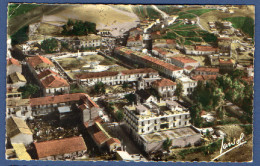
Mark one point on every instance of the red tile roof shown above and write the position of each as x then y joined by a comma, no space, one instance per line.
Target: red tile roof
225,61
184,59
189,67
54,82
206,48
135,38
57,99
204,77
170,41
161,63
114,73
12,61
46,73
59,147
100,137
207,69
36,60
159,50
113,140
164,82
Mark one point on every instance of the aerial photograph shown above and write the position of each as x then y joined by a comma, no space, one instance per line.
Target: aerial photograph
129,82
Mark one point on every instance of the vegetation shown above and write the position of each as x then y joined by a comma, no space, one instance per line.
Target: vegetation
49,45
206,149
120,115
29,90
20,36
99,88
78,28
19,9
152,13
246,24
187,33
170,35
195,39
74,88
168,9
187,42
200,11
167,143
130,97
179,90
183,15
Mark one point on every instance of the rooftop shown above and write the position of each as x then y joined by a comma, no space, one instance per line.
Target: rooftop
61,146
184,59
21,152
164,82
204,77
206,48
47,73
54,82
12,61
39,60
171,134
16,126
207,69
17,77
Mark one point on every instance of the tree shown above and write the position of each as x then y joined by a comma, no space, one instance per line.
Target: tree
99,88
120,115
130,97
20,36
49,45
167,143
125,85
28,90
179,90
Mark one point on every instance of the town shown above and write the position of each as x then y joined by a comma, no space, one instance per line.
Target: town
171,84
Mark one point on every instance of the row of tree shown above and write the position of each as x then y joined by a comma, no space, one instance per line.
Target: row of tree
78,28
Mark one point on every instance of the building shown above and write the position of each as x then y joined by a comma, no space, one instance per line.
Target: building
13,66
164,43
226,65
165,87
151,119
115,78
183,62
144,96
188,85
18,152
165,68
200,50
67,148
135,41
205,71
18,107
103,139
12,93
53,85
16,80
204,78
49,104
161,53
125,156
18,132
38,64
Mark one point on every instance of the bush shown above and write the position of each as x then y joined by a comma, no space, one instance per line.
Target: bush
49,45
20,36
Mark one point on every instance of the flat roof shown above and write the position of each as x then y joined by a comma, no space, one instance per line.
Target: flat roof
171,134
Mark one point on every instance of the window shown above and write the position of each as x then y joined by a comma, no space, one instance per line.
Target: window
148,121
142,123
179,123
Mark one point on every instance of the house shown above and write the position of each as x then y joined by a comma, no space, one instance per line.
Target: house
18,132
183,61
46,105
104,32
18,152
205,71
18,107
125,156
188,85
204,78
46,73
144,96
161,53
165,87
61,149
12,93
135,41
164,43
115,77
13,66
89,114
39,63
200,50
226,65
135,31
52,85
226,24
102,139
16,80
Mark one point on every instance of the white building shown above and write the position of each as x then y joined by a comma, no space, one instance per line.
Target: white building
188,84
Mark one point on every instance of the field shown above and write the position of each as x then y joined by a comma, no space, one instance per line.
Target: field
187,34
246,24
145,12
16,9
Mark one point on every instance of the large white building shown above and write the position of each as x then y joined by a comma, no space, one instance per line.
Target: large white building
188,84
156,117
